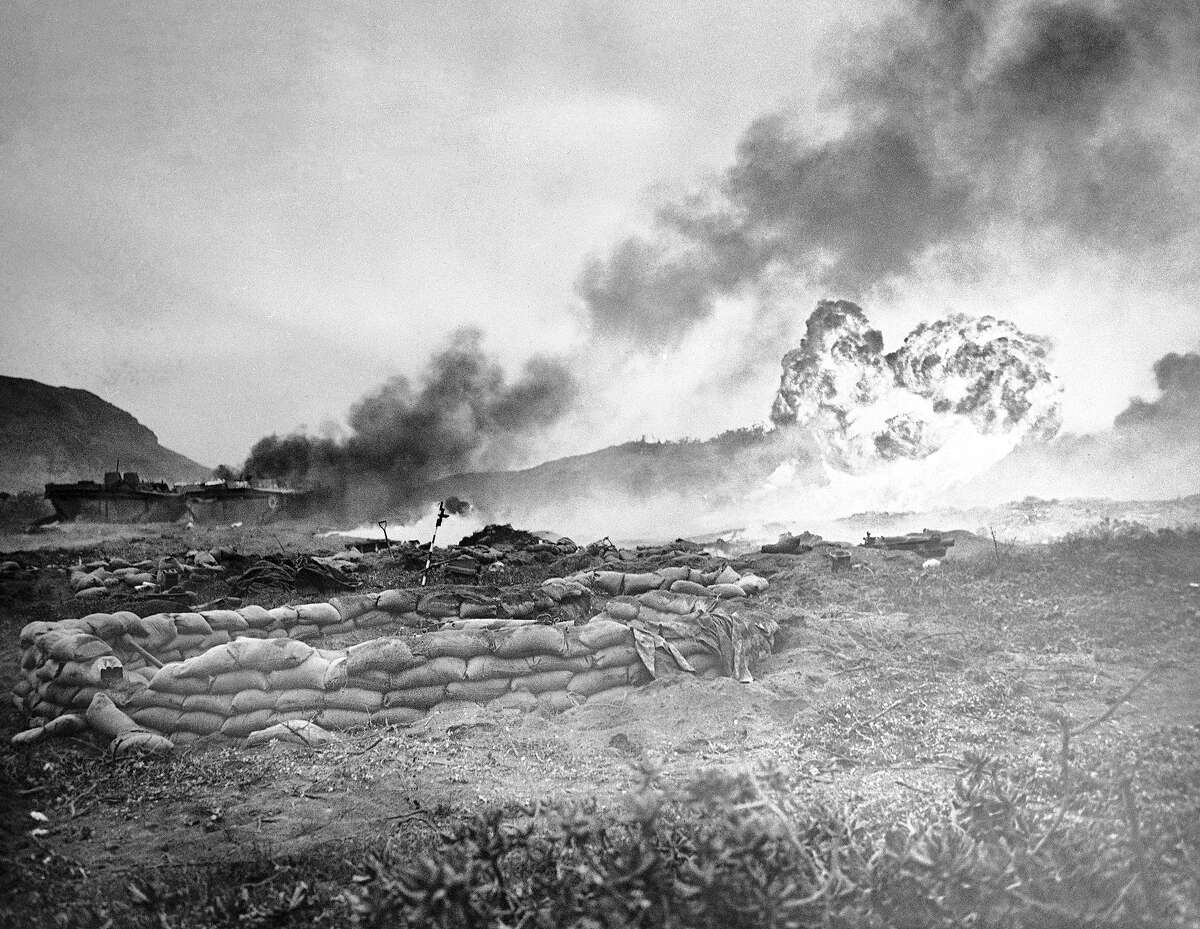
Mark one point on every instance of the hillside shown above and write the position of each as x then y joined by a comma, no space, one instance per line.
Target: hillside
63,434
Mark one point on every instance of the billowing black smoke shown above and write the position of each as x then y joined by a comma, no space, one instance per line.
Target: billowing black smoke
1060,118
463,413
1176,413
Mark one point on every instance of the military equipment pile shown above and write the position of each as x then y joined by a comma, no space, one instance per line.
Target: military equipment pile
148,683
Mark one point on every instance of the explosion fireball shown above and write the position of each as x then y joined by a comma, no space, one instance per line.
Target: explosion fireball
962,388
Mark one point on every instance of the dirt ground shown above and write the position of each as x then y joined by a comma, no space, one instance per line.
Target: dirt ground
883,678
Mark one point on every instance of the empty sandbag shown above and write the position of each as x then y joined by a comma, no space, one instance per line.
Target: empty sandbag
294,731
67,724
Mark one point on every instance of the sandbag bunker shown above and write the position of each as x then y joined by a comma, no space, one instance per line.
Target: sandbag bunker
251,674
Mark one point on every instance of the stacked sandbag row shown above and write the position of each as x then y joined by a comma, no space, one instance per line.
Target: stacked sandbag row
723,584
95,578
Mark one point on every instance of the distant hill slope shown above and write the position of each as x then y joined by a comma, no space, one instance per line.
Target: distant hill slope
63,434
718,470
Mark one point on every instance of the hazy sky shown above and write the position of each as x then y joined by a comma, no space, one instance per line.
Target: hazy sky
233,219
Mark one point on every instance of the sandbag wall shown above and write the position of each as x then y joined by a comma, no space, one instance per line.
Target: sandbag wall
232,673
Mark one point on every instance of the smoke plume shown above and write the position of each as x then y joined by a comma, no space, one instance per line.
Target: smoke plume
463,413
1061,119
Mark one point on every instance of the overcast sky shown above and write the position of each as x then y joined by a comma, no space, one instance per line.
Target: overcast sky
233,219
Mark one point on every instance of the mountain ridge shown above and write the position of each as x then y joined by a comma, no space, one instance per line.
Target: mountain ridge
63,434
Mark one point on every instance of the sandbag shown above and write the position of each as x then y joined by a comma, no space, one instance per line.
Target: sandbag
354,698
104,716
237,682
396,716
491,667
556,663
727,576
600,633
624,609
640,583
436,671
219,705
188,645
753,584
241,725
440,604
156,631
451,643
542,681
252,701
689,587
227,620
384,654
668,602
615,656
477,610
299,701
612,695
182,737
398,601
29,736
530,640
336,675
191,624
256,617
221,659
282,617
514,700
726,591
559,701
338,628
351,607
609,582
169,680
200,722
139,741
377,619
215,638
318,614
67,724
159,718
144,698
294,731
339,719
273,654
476,691
598,679
417,698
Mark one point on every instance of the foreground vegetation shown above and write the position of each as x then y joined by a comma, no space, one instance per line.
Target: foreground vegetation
1053,811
